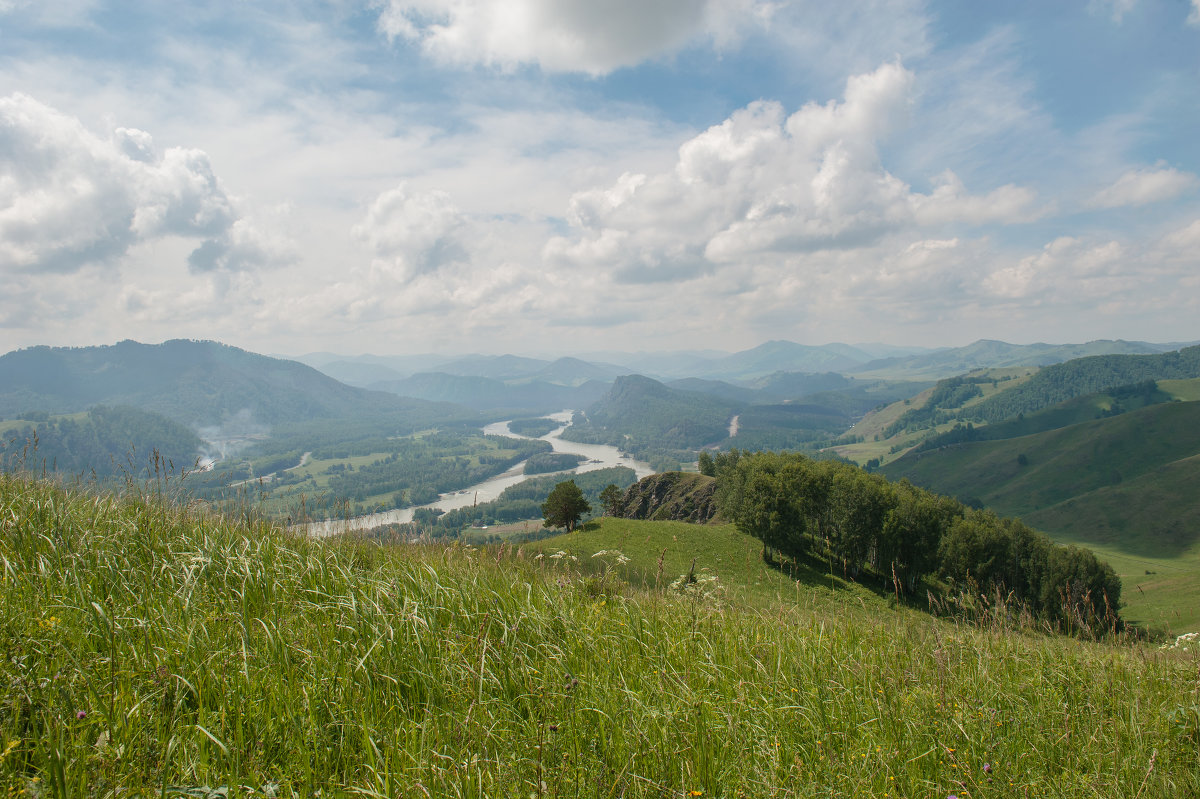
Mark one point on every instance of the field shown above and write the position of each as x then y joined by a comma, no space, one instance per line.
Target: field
152,649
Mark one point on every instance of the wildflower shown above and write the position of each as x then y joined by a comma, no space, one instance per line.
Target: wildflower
81,714
987,768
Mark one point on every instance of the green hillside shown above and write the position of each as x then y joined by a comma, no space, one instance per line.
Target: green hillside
103,442
1082,376
1123,486
156,650
1020,475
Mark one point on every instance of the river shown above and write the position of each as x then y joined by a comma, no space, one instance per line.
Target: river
599,456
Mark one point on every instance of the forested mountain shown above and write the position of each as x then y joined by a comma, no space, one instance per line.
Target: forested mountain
784,356
1082,376
192,382
639,414
1080,468
989,354
489,393
103,441
355,373
513,369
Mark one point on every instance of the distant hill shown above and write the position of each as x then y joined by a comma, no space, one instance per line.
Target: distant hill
195,383
1112,402
989,354
793,385
485,393
640,414
514,369
740,395
498,367
1085,479
784,356
357,373
1082,376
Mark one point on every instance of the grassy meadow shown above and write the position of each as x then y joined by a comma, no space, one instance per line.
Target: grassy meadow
151,649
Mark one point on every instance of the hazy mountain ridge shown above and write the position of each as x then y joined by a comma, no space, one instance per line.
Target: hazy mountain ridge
196,383
990,354
486,393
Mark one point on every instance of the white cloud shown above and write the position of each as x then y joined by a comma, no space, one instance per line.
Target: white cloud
1145,186
1194,17
762,185
69,198
563,35
413,233
951,202
1068,270
1183,244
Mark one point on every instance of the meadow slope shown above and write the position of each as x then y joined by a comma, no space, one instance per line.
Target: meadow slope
150,648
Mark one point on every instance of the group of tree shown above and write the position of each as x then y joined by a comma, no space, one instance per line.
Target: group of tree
804,508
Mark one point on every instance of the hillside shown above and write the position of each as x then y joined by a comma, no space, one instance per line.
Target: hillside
990,354
160,651
1076,378
196,383
102,442
785,356
486,393
1123,485
640,415
1021,475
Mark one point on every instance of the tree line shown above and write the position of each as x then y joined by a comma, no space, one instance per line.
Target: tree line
808,509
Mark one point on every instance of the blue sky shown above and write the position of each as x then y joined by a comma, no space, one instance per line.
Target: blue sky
549,176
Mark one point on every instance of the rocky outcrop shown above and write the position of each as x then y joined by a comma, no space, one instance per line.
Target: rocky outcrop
671,496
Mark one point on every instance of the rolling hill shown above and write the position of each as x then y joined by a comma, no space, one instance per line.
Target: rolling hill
1124,486
990,354
196,383
640,414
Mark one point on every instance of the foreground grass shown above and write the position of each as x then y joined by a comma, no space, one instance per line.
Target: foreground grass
149,649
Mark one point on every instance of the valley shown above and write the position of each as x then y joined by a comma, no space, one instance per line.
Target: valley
879,582
1091,444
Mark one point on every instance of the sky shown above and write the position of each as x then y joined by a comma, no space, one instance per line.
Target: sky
544,177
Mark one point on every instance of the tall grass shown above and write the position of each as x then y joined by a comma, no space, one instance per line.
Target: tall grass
148,648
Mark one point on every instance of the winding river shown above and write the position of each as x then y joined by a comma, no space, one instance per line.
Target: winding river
599,456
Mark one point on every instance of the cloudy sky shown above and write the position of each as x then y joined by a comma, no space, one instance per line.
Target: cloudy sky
547,176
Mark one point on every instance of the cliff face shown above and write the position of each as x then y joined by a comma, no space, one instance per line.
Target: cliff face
671,496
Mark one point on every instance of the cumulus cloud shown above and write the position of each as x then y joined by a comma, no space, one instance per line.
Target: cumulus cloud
763,184
1066,267
69,198
563,35
1144,186
413,233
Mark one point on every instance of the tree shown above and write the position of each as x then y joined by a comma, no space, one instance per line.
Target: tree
613,500
564,506
707,465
